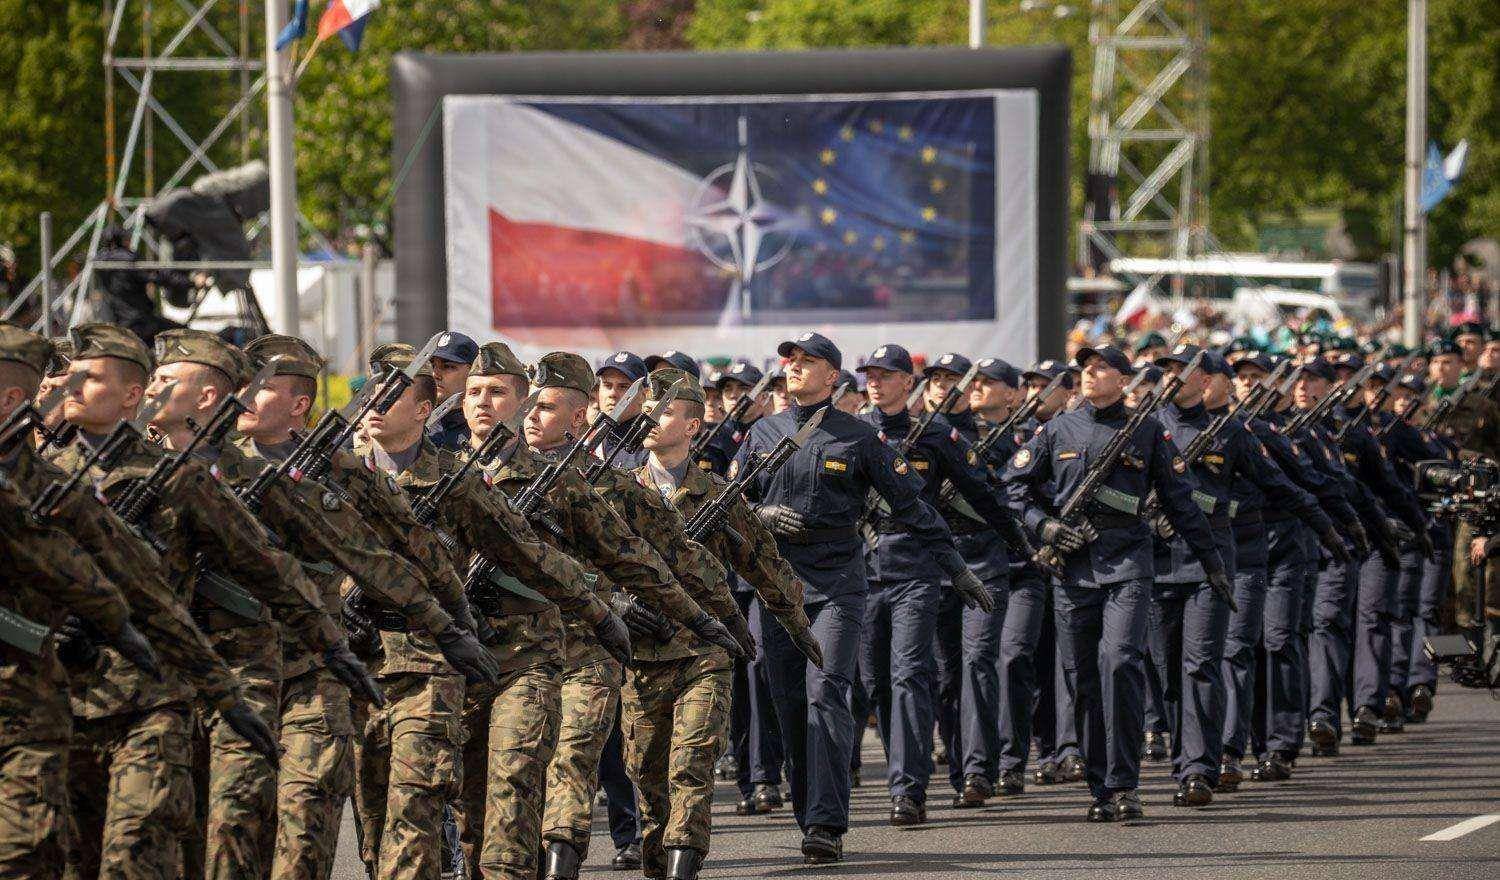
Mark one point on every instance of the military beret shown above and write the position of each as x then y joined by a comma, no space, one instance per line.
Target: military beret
563,369
398,355
24,347
100,340
62,356
496,359
186,345
662,378
294,356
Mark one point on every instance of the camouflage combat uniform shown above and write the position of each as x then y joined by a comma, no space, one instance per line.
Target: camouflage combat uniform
50,578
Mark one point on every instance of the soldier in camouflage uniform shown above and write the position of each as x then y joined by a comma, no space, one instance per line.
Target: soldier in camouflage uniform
134,733
677,693
599,537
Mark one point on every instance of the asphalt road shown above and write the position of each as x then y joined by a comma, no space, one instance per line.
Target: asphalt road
1361,815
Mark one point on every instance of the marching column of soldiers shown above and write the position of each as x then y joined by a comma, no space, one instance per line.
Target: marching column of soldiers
483,591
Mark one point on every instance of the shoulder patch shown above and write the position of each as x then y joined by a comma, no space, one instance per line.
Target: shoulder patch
330,501
835,466
1021,459
900,465
1179,465
705,465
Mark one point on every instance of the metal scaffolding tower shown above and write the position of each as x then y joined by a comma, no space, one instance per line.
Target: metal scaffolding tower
148,45
1147,190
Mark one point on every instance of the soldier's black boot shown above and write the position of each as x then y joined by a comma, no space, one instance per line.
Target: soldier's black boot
1156,748
1362,731
906,811
976,791
627,857
1230,775
1421,703
822,845
767,798
562,862
1325,738
683,863
1193,792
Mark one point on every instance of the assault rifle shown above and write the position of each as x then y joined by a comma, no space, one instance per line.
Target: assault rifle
1335,397
1374,406
33,416
1445,407
1023,412
1048,558
737,412
711,515
649,418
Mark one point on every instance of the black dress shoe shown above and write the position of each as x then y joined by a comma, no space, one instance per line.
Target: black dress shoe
1364,727
627,857
1128,806
1230,775
1324,737
822,845
1392,725
906,811
1071,769
1013,783
1421,703
1102,810
1193,792
767,798
1045,773
1393,710
1272,769
562,861
683,863
1329,751
976,791
1156,748
746,807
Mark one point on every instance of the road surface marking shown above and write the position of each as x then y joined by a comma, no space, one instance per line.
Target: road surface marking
1453,832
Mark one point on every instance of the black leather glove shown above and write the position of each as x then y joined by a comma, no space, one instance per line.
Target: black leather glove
1064,537
644,622
249,725
807,643
75,643
1401,532
780,519
714,632
614,637
1334,545
350,670
971,589
1219,581
134,647
1360,539
1014,536
740,629
462,649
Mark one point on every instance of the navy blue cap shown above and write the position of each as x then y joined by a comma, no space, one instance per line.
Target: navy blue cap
679,359
1443,346
740,371
1412,382
847,378
1214,361
778,372
1383,373
1258,359
626,362
456,347
1348,360
815,344
953,362
1000,371
1153,375
1050,369
1321,368
887,357
1183,354
1112,356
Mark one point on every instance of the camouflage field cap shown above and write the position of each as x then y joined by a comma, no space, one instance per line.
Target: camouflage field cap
294,356
187,345
563,369
663,377
109,340
62,356
398,355
496,359
21,346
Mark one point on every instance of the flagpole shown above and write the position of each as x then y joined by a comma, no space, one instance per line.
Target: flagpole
976,24
283,168
1414,251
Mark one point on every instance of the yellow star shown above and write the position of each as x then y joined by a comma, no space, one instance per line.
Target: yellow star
820,186
829,216
907,236
878,243
847,133
827,157
850,236
929,155
904,133
937,184
929,213
876,126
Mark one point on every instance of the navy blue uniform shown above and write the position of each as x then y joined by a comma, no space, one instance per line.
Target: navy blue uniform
627,459
1102,602
720,450
827,482
896,657
451,431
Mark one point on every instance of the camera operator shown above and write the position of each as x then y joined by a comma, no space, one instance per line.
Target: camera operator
126,292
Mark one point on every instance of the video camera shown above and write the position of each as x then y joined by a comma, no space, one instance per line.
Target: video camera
1468,491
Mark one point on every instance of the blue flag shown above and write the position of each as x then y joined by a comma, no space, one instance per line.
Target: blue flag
295,28
1435,182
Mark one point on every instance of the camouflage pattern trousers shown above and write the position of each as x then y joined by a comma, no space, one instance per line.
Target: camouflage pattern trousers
236,785
408,767
33,809
142,763
512,732
317,775
674,716
590,695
